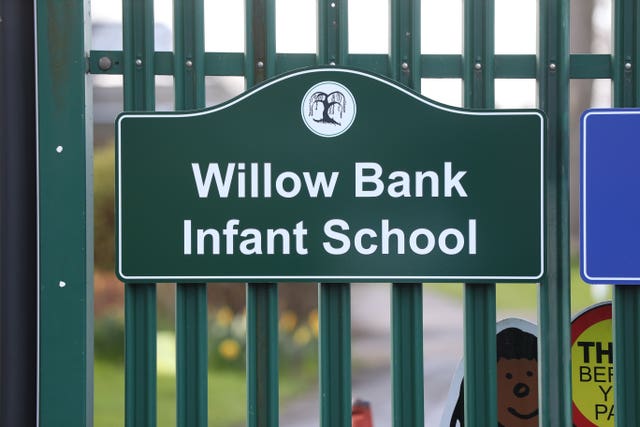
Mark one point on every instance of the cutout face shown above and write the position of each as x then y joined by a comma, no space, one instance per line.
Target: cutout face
517,392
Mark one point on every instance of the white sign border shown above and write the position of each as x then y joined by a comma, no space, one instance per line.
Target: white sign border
177,278
603,280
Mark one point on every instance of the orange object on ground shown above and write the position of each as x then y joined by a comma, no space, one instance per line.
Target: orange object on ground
361,414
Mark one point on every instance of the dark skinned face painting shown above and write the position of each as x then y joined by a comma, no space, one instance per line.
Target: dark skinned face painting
517,378
517,392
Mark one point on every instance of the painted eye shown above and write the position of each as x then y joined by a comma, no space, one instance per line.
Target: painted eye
529,373
509,376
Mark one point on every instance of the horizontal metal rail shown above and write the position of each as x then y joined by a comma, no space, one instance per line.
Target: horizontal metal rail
432,66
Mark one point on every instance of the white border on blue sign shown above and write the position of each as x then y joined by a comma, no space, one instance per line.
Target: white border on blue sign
609,279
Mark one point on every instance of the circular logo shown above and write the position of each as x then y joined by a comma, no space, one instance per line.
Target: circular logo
328,109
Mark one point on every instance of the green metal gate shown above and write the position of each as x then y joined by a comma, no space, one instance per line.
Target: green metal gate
65,213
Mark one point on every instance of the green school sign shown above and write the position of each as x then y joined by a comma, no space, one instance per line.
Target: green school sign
330,174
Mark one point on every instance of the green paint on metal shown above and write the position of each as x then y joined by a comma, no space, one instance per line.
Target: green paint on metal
191,298
291,61
262,298
65,212
433,66
590,66
480,396
478,56
188,61
554,292
217,207
138,45
626,321
626,51
332,32
140,301
334,309
626,299
262,355
64,176
407,370
191,355
480,371
260,40
334,300
515,66
405,42
140,355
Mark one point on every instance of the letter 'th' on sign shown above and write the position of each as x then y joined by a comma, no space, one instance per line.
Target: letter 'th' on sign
330,174
592,367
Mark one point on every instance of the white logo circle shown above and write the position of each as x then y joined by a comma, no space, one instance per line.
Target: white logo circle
328,109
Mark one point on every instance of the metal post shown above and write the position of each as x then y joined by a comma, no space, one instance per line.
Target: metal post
18,250
626,299
191,355
262,355
332,32
405,43
140,299
407,361
191,299
334,298
554,291
65,213
335,354
480,390
407,367
262,298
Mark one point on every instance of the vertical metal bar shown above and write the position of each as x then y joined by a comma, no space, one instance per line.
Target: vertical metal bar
18,218
626,323
478,54
626,299
480,402
555,291
188,69
262,298
140,299
407,361
407,366
260,40
65,212
65,209
191,355
334,299
138,51
626,48
140,355
333,32
480,390
405,42
335,354
191,299
262,355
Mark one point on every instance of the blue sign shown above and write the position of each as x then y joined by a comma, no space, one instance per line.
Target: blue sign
610,196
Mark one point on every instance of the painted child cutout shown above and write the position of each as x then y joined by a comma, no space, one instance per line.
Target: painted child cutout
517,379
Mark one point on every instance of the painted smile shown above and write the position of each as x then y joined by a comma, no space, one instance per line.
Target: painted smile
522,416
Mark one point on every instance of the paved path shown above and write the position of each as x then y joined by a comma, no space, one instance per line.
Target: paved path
371,381
371,343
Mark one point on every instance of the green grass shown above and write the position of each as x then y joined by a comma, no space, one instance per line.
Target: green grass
227,389
524,297
227,396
